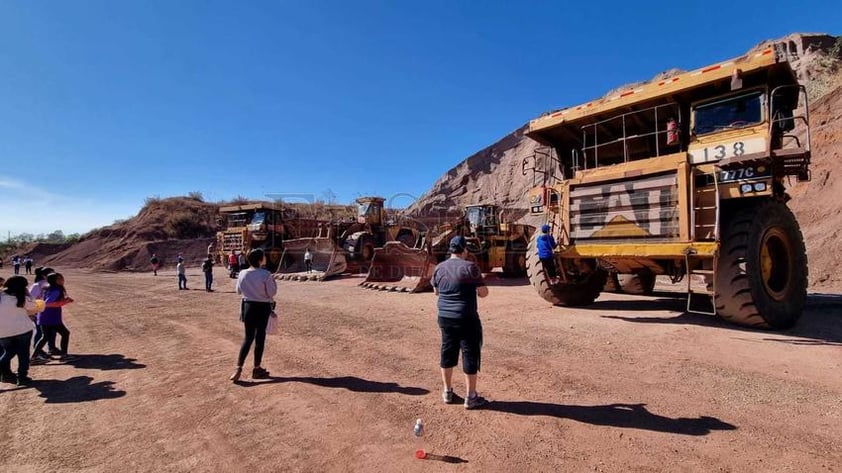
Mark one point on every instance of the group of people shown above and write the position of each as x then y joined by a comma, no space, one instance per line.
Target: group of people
236,262
30,320
17,261
181,270
457,282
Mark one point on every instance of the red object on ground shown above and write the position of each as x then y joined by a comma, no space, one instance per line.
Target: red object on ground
420,454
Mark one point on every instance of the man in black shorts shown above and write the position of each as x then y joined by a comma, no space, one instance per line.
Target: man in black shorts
457,283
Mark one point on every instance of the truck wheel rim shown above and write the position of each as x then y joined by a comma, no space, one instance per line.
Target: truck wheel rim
775,263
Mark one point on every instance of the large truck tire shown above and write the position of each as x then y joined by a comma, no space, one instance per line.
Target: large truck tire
761,274
516,260
641,283
570,293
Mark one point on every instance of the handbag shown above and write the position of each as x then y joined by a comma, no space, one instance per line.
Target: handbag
272,324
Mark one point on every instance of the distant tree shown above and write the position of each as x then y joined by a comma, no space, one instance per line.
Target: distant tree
23,238
330,196
196,195
55,237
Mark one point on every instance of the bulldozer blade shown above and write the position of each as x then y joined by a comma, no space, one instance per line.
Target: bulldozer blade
397,267
328,259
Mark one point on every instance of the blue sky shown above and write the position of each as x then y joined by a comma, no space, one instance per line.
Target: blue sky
104,103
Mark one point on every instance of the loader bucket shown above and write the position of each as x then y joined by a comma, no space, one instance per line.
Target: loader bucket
328,259
397,267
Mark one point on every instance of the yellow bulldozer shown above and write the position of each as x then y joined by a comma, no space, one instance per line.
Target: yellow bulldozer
492,244
339,247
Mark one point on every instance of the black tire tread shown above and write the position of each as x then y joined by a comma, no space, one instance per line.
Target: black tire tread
740,297
641,283
566,294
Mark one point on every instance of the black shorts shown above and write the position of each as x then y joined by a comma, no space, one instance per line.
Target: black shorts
464,334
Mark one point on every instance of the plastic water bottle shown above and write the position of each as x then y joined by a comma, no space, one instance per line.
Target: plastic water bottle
418,430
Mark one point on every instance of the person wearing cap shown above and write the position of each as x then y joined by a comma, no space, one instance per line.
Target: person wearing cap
182,276
546,243
457,283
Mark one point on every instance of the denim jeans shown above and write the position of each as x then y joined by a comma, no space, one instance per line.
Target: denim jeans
17,345
182,281
208,280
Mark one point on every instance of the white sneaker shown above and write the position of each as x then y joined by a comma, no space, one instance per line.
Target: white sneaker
447,396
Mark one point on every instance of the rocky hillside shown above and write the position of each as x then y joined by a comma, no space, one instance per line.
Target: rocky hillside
494,173
167,227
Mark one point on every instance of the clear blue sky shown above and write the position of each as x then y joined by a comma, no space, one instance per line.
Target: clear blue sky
103,103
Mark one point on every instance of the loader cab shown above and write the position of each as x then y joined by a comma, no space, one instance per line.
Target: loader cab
265,220
483,219
370,210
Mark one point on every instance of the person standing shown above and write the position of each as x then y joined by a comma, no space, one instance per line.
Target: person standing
308,260
27,264
258,289
182,276
242,262
15,330
546,243
52,324
457,283
233,264
16,264
37,291
207,268
155,262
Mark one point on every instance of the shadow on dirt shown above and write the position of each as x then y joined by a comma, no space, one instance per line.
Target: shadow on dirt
351,383
498,280
113,361
76,389
444,458
632,416
821,323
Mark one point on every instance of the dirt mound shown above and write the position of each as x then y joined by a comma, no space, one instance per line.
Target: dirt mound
166,227
494,174
817,203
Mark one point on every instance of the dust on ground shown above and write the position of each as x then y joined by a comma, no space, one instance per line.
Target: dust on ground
627,384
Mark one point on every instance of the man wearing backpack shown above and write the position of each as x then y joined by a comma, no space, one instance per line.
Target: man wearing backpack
207,268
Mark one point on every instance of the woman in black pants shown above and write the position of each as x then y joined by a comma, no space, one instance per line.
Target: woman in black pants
258,288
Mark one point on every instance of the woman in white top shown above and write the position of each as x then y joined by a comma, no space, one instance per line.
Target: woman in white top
16,328
258,288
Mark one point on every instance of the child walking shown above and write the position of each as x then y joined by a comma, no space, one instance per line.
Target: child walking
52,324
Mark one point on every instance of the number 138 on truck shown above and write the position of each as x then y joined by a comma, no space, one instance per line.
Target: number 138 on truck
684,177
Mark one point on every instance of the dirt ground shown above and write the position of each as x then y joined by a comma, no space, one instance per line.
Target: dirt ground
628,384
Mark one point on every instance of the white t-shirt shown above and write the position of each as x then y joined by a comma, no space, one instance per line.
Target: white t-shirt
13,319
308,256
36,291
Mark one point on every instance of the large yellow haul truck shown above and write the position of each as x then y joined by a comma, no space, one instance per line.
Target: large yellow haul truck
682,176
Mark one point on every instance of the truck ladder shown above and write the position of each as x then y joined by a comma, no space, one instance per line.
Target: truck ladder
690,256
